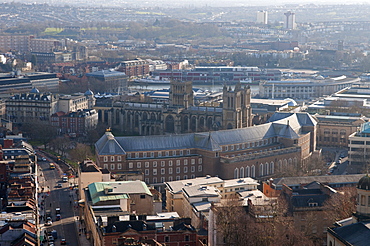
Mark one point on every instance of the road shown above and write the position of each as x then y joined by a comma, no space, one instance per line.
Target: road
62,198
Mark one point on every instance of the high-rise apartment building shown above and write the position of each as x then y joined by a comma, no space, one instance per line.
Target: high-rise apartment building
262,17
290,20
43,45
19,43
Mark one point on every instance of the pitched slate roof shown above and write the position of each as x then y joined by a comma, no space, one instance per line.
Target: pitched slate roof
286,125
356,234
122,226
108,145
301,201
287,132
303,118
206,141
328,179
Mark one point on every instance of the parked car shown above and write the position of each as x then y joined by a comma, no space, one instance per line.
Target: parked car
59,185
54,233
63,241
49,221
50,238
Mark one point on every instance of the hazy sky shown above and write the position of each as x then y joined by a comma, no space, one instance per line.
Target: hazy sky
195,3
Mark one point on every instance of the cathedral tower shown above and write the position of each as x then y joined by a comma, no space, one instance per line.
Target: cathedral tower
236,107
181,94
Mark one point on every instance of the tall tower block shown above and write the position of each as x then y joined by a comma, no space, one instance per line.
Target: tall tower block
262,17
290,20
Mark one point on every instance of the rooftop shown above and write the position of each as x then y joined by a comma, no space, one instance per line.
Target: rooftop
202,206
176,186
238,182
201,191
105,73
356,234
287,125
104,191
89,166
256,197
327,179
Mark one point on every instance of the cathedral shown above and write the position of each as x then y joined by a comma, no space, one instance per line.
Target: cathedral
180,115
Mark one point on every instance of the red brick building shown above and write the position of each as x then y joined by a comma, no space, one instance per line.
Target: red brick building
75,122
134,68
181,234
257,151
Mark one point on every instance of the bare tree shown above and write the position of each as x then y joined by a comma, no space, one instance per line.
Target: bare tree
81,152
40,131
246,226
342,204
60,145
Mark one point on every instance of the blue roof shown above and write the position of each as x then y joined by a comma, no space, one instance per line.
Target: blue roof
365,128
89,93
105,73
34,90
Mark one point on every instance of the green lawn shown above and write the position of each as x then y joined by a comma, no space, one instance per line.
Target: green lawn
52,31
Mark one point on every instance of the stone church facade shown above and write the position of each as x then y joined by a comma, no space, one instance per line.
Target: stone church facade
180,115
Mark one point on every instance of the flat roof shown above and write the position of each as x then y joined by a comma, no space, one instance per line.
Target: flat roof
238,182
176,186
201,190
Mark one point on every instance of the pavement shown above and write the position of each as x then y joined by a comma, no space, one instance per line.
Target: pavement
51,197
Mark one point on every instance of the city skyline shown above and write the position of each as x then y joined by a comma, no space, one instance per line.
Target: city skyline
193,3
